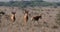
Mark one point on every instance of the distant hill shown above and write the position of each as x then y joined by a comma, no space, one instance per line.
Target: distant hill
52,0
31,0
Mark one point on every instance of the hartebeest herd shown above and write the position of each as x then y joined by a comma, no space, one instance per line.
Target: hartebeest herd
25,17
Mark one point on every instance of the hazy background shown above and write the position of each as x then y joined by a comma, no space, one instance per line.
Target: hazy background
31,0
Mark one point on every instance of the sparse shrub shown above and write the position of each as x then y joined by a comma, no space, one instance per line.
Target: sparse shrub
49,10
42,10
55,6
46,24
55,27
7,17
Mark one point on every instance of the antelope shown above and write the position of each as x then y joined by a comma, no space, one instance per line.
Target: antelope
13,16
25,16
36,18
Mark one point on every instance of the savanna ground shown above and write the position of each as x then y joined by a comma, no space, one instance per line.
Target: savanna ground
48,23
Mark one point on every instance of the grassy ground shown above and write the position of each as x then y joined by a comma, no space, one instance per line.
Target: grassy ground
48,23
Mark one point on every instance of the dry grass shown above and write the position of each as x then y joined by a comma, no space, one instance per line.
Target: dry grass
58,18
46,24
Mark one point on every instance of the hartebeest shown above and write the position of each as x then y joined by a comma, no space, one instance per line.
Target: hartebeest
25,16
36,18
13,16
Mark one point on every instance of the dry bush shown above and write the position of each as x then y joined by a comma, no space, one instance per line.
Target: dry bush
55,27
45,24
7,17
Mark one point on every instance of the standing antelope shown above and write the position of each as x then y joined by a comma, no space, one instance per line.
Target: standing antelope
25,16
13,16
